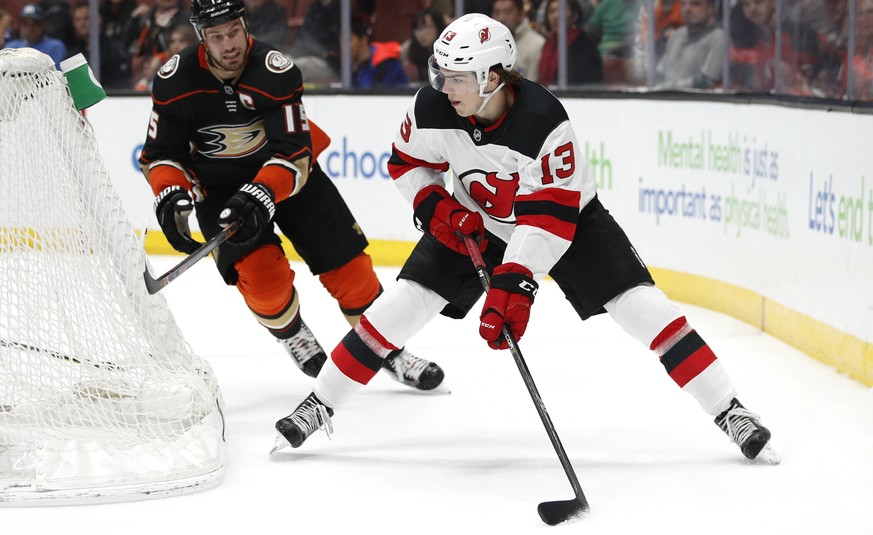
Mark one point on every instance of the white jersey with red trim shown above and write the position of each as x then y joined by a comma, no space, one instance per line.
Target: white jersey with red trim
523,174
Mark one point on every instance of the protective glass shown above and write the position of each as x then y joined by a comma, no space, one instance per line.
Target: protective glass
453,82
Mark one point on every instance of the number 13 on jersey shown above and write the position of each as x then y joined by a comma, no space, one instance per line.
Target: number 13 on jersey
561,163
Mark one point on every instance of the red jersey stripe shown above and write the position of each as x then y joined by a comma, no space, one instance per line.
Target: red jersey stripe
398,170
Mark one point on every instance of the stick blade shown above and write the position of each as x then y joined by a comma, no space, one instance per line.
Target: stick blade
553,513
152,285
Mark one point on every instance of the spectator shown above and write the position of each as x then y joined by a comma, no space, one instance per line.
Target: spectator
833,37
374,64
5,27
538,21
446,7
583,61
114,62
668,18
813,13
864,56
415,52
833,80
316,48
32,30
120,21
610,26
476,6
181,37
268,22
390,20
153,30
58,22
754,66
694,54
529,42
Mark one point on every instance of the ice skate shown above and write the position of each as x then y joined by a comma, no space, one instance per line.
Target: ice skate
308,417
744,429
305,351
413,371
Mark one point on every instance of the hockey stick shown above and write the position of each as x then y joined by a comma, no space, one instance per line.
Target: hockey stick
154,285
55,354
550,512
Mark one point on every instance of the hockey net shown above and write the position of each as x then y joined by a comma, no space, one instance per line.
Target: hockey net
101,397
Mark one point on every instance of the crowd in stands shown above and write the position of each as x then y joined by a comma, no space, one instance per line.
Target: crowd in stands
796,47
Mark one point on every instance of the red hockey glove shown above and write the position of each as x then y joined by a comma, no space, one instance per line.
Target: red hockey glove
441,216
172,207
508,302
253,206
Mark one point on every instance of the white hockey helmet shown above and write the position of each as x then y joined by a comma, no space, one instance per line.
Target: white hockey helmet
472,43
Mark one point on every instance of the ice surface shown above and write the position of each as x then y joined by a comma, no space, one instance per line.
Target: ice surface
479,461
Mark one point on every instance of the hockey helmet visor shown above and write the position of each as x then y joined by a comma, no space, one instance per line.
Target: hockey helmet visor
451,82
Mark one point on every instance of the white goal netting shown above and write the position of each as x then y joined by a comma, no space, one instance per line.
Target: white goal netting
101,398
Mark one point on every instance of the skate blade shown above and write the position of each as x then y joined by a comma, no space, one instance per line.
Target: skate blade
279,444
441,390
769,455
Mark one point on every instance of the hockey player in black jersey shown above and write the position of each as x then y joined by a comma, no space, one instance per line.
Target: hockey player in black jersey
522,188
229,138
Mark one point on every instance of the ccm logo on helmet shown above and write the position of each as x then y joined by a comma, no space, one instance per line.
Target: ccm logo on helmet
484,34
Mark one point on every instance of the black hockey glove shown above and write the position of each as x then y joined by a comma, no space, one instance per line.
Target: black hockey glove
172,207
253,206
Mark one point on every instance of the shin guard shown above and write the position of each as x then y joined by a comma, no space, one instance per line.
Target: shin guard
361,353
266,283
693,366
354,286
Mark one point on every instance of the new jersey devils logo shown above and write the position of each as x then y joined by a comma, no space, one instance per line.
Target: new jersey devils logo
406,129
484,34
494,193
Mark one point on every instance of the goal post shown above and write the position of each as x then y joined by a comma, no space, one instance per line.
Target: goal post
101,397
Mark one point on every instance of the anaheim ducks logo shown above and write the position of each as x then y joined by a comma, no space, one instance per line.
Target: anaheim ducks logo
169,68
277,62
232,141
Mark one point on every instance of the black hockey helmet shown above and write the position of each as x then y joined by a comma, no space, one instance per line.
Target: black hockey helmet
208,13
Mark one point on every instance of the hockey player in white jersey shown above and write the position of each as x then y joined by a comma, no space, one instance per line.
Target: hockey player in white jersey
522,188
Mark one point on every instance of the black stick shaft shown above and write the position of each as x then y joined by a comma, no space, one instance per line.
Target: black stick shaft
154,285
479,263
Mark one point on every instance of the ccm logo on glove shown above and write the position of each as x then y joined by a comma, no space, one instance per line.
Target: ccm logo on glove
508,303
441,216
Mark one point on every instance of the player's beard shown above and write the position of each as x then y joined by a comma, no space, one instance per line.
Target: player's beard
230,65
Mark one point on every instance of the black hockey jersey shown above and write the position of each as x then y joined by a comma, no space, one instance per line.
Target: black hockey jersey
524,174
221,133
